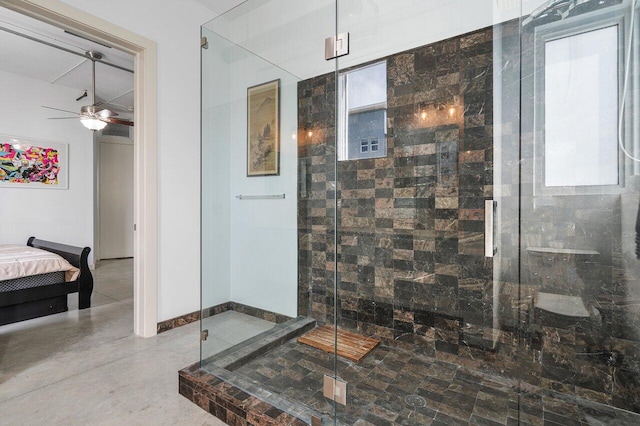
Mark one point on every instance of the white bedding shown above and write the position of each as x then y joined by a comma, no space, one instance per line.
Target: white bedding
17,261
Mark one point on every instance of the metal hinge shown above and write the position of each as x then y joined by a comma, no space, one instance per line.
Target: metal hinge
204,43
204,334
335,389
336,46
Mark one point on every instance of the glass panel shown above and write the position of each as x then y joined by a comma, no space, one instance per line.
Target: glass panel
579,209
581,97
412,270
262,142
367,86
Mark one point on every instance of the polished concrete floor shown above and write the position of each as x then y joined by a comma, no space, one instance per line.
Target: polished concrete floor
87,367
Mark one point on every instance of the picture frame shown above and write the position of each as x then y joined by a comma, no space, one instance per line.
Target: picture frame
263,129
28,163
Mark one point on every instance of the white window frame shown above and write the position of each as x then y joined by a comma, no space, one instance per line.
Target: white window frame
343,113
557,30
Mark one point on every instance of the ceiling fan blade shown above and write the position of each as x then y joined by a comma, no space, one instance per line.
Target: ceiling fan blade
62,118
126,108
113,120
63,110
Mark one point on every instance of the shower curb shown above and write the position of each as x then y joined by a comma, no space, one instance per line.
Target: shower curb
236,400
240,354
229,403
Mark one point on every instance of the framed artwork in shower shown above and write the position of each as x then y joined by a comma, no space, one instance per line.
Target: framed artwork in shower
33,164
263,129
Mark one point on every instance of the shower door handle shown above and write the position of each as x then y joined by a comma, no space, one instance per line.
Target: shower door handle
490,246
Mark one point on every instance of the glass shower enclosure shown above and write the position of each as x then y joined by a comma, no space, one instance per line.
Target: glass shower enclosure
423,212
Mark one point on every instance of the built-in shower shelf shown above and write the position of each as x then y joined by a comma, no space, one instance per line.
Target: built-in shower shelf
571,306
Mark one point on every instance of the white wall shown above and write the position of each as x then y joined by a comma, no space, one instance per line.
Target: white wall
263,247
175,26
64,216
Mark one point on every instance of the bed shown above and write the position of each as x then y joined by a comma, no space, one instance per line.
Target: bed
34,296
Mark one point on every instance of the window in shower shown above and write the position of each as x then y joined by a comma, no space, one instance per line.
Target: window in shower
363,113
578,74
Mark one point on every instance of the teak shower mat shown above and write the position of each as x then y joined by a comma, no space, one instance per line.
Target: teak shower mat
351,346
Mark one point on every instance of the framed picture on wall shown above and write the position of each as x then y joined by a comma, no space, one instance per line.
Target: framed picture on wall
33,164
263,129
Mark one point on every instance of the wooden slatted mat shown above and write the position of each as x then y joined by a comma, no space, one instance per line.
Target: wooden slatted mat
351,346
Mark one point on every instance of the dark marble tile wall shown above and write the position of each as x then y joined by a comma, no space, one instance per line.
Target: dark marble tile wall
411,267
410,225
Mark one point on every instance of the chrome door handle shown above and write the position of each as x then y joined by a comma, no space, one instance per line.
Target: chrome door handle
490,246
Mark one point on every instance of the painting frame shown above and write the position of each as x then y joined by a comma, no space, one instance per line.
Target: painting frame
24,144
263,129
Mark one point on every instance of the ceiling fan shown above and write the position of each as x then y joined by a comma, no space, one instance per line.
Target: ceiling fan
93,117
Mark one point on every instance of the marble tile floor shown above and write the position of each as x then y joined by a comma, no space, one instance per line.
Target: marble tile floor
395,386
87,367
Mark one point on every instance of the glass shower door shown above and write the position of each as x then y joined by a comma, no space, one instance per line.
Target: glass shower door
428,101
579,210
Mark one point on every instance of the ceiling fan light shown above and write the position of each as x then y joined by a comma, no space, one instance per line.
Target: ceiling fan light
106,113
93,123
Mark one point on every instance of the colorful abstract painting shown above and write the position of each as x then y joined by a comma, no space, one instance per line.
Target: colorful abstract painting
28,164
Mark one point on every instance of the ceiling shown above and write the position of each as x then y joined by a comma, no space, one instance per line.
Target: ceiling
19,55
221,6
29,58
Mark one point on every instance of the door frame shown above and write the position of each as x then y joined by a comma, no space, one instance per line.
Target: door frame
145,246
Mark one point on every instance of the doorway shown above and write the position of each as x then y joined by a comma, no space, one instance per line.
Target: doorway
115,198
145,152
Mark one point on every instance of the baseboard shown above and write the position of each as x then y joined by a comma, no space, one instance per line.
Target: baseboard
248,310
172,323
176,322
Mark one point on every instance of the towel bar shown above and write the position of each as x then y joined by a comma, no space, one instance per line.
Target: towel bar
260,197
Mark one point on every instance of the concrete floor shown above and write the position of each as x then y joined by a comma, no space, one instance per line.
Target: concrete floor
87,367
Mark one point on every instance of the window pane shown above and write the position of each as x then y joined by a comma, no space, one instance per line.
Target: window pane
367,86
366,126
581,109
362,119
